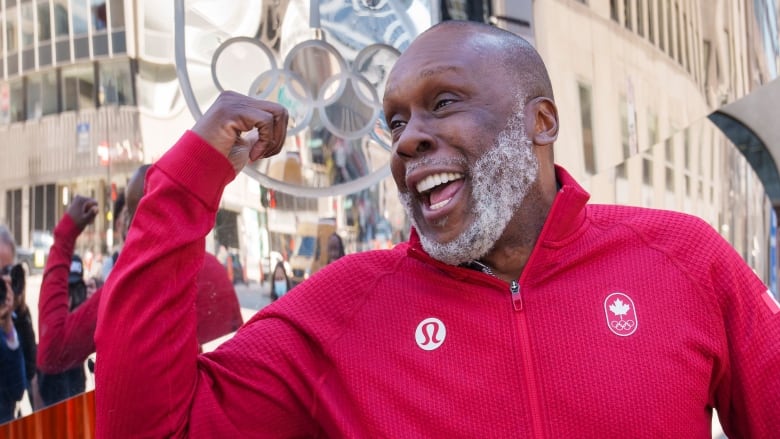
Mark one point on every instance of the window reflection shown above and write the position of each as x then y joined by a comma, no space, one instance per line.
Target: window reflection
41,94
78,87
117,14
44,22
61,26
80,17
16,105
98,9
116,85
28,25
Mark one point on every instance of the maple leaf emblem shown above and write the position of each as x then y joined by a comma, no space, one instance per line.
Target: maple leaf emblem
619,308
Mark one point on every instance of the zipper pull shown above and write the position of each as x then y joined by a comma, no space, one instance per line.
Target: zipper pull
517,301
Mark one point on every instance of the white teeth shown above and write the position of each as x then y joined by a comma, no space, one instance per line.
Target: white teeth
434,180
440,204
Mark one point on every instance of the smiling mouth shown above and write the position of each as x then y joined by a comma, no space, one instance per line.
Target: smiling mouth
437,190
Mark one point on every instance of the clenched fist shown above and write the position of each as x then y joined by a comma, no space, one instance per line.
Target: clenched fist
243,128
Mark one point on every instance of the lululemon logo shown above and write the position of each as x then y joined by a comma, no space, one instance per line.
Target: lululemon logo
430,334
621,314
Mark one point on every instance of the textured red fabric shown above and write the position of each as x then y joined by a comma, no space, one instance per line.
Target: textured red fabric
217,304
346,353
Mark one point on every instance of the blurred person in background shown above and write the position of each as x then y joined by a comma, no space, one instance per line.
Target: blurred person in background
13,379
93,284
335,247
280,282
120,222
66,318
66,334
22,318
55,387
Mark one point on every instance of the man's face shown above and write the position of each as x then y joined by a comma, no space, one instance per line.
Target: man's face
462,161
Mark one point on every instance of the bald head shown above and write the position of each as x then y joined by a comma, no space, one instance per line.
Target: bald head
499,48
134,191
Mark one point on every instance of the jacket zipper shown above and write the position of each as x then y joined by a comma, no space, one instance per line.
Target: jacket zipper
535,409
517,301
526,357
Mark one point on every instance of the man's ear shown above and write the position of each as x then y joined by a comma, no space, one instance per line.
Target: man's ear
542,116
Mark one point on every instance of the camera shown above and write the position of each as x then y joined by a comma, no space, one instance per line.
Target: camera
17,274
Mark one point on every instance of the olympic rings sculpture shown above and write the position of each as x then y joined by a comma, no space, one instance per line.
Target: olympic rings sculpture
316,84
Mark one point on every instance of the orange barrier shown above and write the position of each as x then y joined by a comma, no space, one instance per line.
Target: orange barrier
73,418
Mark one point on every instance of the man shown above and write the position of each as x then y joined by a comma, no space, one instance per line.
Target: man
515,309
67,336
58,386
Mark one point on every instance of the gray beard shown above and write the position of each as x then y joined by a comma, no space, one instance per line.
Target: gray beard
501,179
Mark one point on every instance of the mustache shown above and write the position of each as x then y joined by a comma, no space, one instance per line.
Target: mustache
429,162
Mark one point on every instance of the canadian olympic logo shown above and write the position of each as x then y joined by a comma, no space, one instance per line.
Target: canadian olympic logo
621,315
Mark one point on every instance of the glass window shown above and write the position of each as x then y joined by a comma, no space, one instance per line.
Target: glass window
28,25
650,21
686,44
679,33
11,29
60,13
661,34
5,103
669,164
613,9
652,128
98,8
624,131
2,38
13,212
34,104
117,8
78,87
41,94
647,171
16,103
669,29
80,17
116,83
586,117
12,38
640,18
627,14
44,21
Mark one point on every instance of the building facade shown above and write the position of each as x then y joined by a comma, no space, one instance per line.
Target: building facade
90,89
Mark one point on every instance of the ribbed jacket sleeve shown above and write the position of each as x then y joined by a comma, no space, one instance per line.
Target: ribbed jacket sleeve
65,338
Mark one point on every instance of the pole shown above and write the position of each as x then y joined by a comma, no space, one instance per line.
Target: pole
109,200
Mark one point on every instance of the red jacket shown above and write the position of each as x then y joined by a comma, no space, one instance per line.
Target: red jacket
66,338
626,322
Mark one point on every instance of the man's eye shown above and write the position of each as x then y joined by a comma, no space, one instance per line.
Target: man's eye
442,103
396,124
